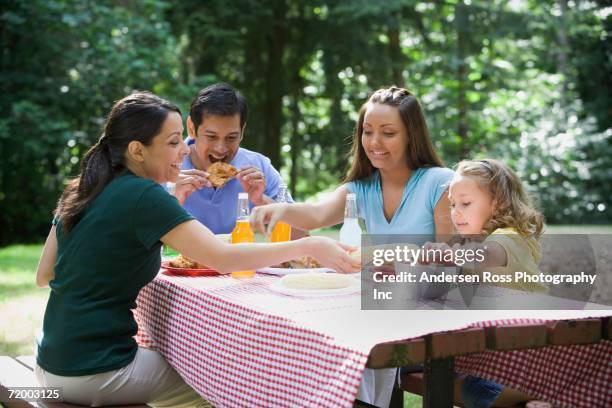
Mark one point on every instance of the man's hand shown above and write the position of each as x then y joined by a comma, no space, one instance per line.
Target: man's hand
253,182
188,182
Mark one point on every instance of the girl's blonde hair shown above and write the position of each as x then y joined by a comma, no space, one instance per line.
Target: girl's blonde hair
513,206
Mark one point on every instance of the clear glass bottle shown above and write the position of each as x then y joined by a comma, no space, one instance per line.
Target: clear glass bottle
282,230
350,233
242,232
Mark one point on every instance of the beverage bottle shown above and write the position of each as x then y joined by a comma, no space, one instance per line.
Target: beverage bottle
282,230
242,231
350,233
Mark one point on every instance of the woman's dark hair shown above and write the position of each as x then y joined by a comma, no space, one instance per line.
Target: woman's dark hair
137,117
219,100
419,149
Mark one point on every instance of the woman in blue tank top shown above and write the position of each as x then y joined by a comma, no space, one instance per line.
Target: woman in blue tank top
400,185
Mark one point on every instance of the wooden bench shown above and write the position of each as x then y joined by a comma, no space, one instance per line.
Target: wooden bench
437,351
19,372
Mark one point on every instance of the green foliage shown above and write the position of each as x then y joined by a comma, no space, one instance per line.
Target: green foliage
527,82
63,64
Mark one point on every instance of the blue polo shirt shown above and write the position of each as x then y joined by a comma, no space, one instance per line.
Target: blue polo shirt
216,207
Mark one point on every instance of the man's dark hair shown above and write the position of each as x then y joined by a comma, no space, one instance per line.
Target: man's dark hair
219,99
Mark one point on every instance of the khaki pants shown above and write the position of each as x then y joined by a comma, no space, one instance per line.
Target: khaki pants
148,379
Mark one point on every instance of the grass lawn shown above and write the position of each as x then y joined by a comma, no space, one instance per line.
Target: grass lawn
22,304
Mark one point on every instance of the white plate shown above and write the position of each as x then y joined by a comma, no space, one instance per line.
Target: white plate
292,271
354,287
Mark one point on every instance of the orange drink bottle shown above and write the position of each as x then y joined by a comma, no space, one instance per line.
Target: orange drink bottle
242,232
282,230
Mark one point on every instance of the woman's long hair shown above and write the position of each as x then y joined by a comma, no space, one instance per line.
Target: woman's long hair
419,149
137,117
513,206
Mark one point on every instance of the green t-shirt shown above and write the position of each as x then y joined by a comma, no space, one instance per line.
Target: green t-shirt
102,263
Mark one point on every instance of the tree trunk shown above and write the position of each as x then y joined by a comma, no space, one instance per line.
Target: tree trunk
562,60
395,49
295,138
253,86
274,86
462,104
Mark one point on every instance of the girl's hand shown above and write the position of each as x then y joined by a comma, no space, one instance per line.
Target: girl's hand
190,181
268,214
332,254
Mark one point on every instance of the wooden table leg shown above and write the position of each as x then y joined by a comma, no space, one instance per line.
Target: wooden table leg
397,397
439,377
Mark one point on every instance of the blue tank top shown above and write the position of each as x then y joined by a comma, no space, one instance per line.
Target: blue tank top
415,213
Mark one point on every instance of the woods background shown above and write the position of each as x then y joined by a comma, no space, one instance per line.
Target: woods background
524,81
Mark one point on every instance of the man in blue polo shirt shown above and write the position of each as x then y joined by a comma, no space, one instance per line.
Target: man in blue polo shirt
215,126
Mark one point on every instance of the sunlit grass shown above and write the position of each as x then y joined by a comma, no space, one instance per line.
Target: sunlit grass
22,304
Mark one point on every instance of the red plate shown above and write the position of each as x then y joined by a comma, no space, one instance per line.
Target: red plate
171,270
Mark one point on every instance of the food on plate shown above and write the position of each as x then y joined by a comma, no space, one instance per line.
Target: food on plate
306,262
316,281
182,261
220,173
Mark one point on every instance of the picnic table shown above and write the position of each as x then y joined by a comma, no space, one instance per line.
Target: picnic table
240,344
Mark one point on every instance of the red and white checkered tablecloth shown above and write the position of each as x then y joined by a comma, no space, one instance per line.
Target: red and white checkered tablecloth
239,344
236,356
578,376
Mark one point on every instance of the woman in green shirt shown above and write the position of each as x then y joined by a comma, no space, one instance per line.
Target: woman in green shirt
104,246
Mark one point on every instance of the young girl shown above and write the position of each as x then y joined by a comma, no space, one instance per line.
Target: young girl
488,199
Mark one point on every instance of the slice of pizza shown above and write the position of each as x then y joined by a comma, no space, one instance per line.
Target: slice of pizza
221,173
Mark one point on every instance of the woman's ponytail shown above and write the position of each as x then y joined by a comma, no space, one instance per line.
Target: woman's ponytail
96,173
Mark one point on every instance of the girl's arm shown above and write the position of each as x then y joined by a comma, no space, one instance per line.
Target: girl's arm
442,218
197,242
495,254
306,216
46,263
